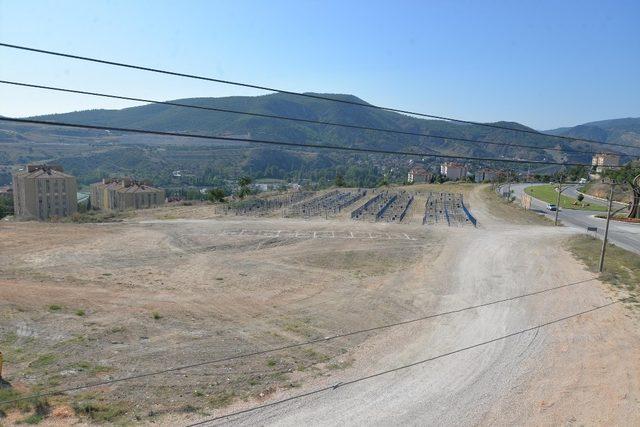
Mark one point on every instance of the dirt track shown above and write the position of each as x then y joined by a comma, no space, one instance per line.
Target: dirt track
228,286
585,370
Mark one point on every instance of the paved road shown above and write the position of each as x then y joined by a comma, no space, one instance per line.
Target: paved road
627,236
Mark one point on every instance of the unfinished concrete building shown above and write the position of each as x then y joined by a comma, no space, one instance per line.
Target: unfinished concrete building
41,192
453,171
119,194
419,174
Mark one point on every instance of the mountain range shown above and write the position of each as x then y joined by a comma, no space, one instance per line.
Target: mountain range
114,153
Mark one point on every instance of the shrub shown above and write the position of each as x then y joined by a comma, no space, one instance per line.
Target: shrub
216,195
32,419
98,411
10,394
222,399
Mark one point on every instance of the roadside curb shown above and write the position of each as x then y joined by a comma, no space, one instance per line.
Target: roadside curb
615,221
598,198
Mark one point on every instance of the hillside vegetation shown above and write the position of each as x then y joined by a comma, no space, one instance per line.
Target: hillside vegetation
94,154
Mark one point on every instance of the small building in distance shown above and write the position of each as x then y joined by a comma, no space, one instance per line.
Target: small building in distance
604,160
419,174
119,194
487,175
42,191
453,171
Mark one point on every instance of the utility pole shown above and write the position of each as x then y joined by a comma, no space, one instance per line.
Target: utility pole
559,188
606,229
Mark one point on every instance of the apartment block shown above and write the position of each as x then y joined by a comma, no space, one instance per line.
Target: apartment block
119,194
41,192
453,171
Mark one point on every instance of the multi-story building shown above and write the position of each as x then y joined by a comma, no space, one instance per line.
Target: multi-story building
119,194
600,162
603,160
418,174
41,192
487,175
453,171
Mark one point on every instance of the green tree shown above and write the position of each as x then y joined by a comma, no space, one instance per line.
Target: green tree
576,172
244,191
6,206
216,195
625,174
339,182
244,181
193,194
384,181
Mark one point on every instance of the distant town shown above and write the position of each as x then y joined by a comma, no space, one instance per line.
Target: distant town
41,192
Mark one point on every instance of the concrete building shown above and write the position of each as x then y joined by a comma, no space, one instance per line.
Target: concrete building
418,174
604,160
453,171
600,162
41,192
121,194
486,175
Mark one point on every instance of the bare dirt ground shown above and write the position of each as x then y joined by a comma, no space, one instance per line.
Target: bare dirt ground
584,370
82,303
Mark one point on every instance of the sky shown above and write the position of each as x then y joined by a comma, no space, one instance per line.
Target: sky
545,64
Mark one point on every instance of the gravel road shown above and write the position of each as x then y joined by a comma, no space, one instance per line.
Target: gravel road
583,370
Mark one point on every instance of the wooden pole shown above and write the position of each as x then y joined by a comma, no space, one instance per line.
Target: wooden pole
555,222
606,231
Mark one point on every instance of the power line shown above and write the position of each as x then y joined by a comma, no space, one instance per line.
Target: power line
400,368
288,92
302,120
288,144
290,346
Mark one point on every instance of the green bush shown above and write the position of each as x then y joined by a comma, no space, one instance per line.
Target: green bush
98,411
216,195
